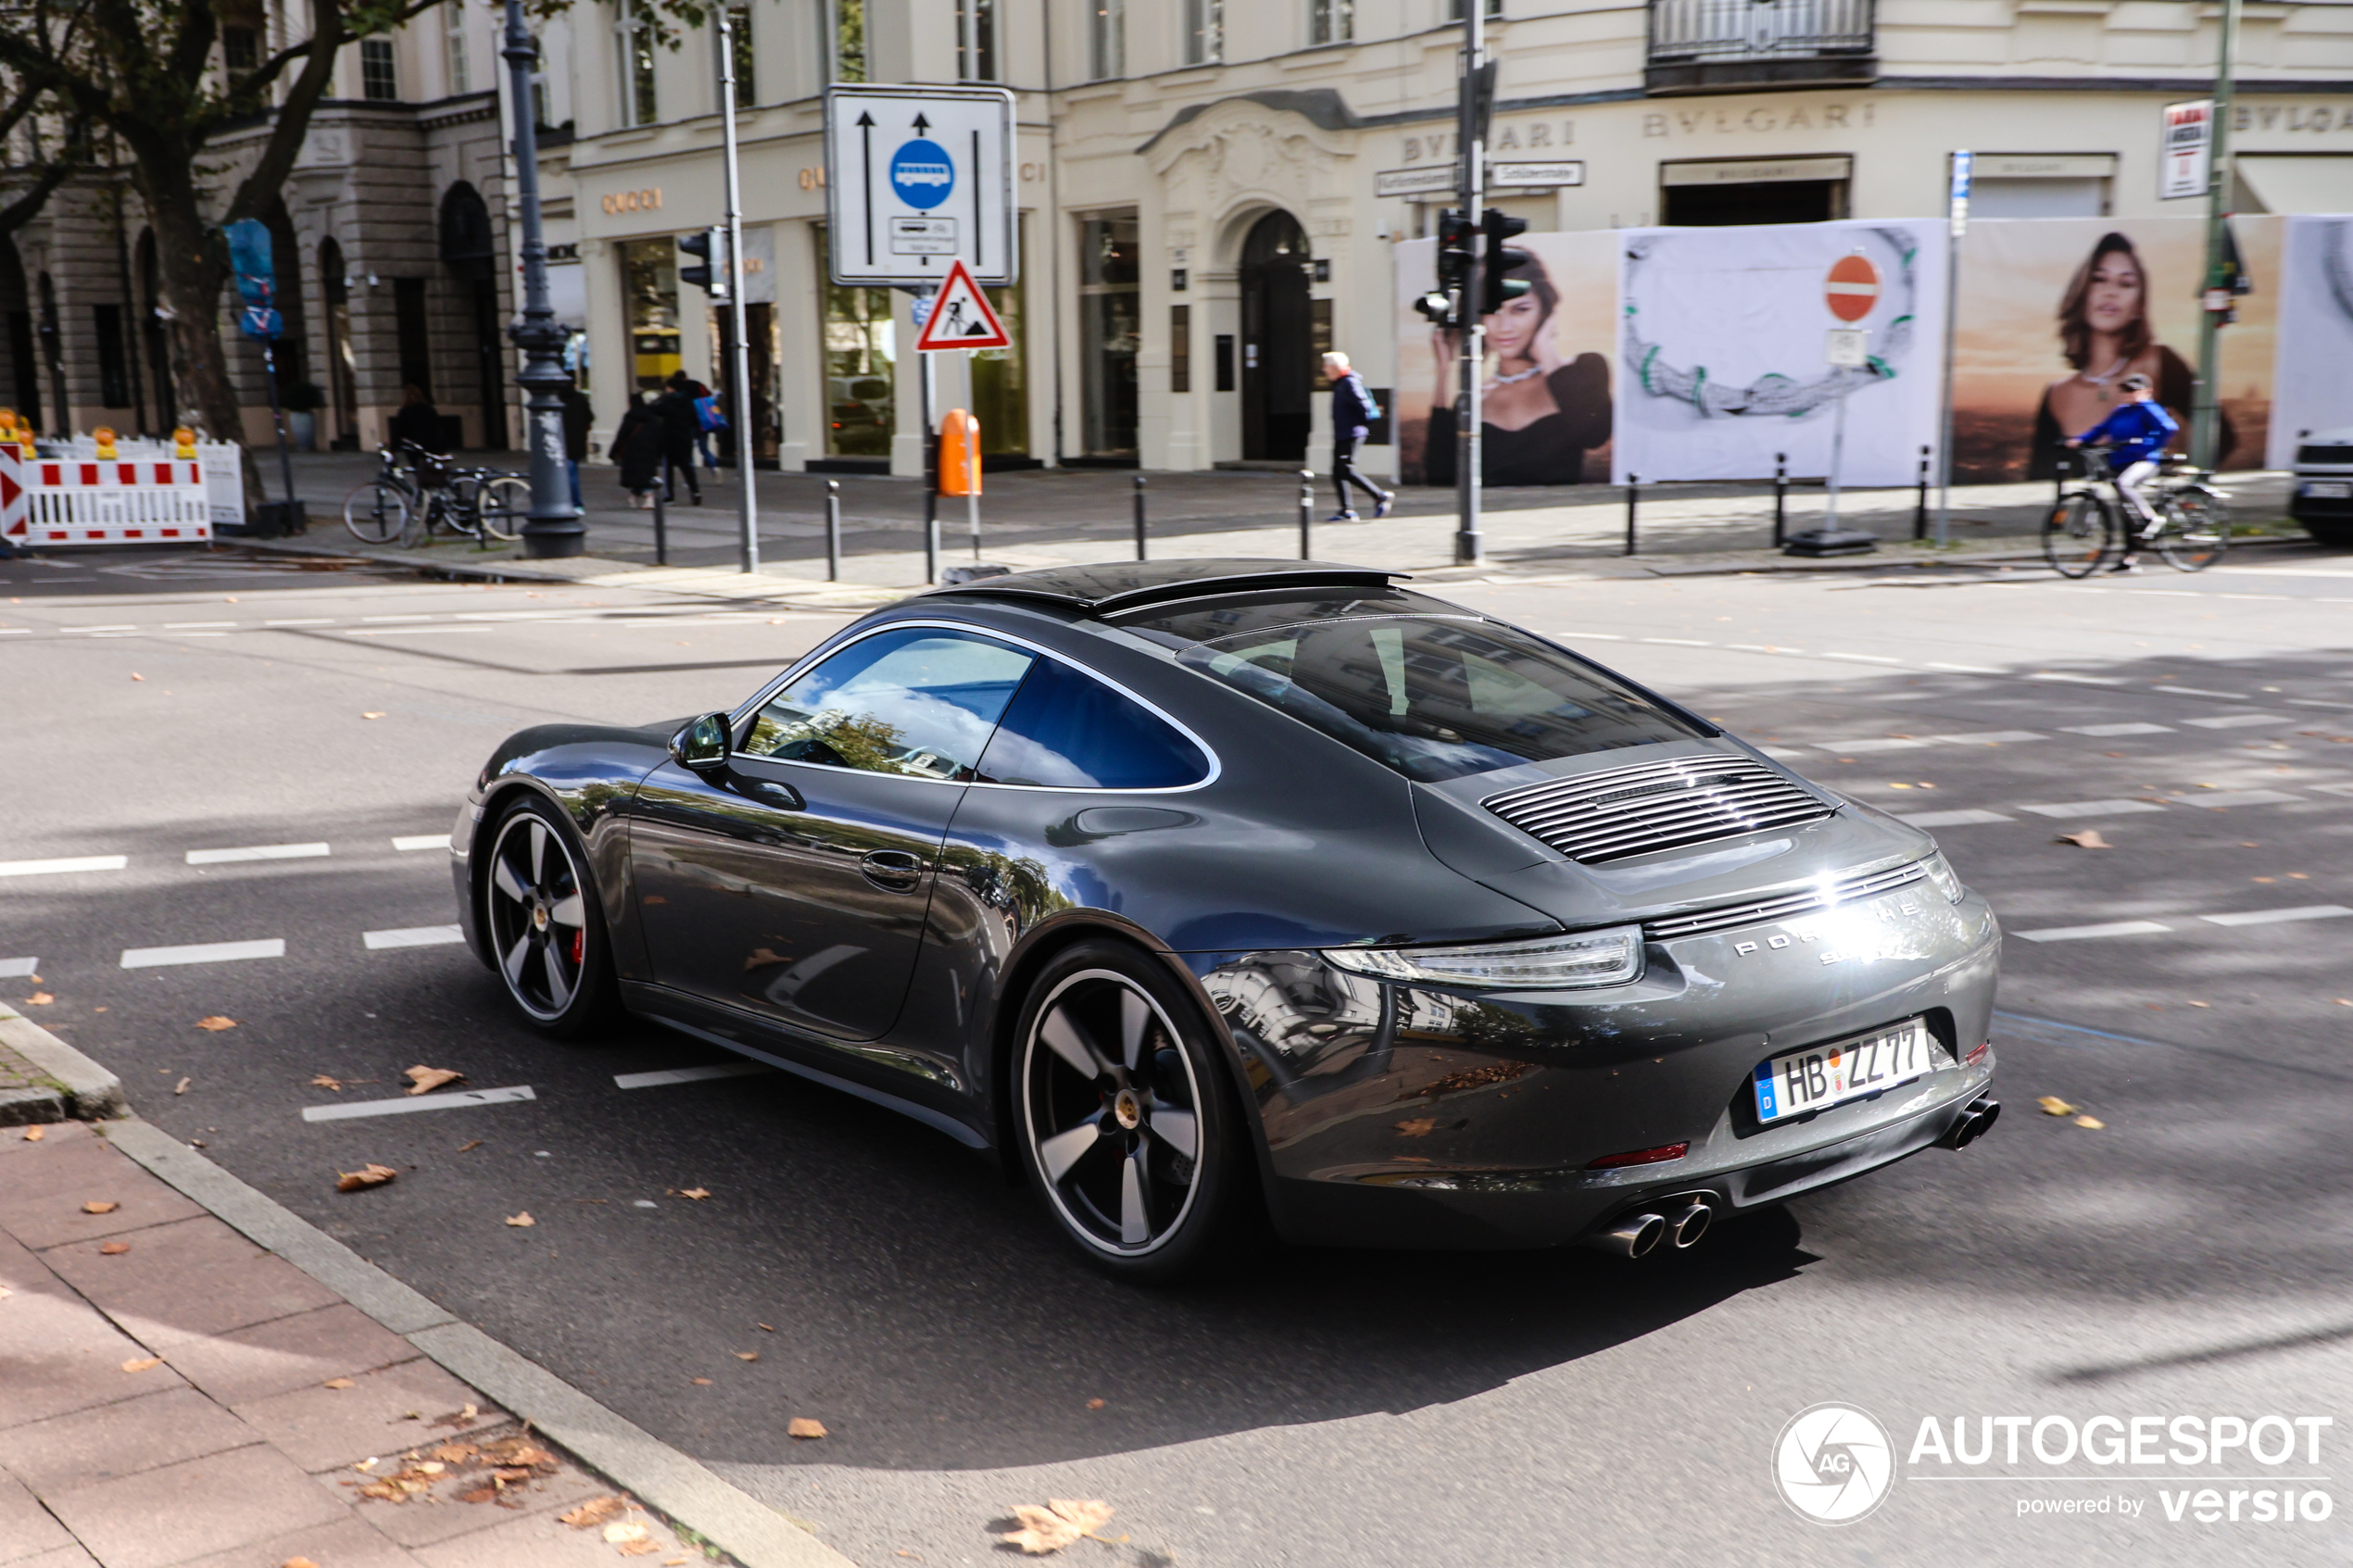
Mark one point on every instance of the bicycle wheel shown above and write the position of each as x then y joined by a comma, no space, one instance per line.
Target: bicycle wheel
461,509
2196,530
377,513
2077,534
505,503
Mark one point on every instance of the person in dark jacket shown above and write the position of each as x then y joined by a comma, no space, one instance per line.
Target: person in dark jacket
637,447
680,426
418,422
1353,412
578,416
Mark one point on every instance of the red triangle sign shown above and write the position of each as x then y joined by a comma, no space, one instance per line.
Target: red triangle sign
960,317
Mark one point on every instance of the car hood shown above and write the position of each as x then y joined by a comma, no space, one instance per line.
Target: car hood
1471,839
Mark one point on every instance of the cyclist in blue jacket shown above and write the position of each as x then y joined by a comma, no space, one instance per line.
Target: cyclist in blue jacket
2134,432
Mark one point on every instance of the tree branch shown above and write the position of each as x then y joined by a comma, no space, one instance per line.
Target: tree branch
26,208
263,182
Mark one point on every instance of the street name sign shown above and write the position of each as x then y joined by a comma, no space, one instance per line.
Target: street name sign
916,178
959,315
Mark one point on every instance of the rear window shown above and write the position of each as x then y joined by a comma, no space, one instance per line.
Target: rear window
1433,698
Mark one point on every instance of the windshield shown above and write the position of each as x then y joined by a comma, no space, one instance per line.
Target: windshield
1432,698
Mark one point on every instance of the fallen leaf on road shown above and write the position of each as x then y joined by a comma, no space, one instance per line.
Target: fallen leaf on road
1094,1404
697,1194
1057,1524
216,1023
181,1087
113,1248
324,1082
34,1134
463,1147
626,1530
481,1493
646,1547
2088,839
596,1511
1416,1127
366,1176
522,1221
1899,786
39,1000
770,1327
337,1382
454,1453
2201,1004
136,676
143,1363
747,1355
371,715
426,1078
297,1562
2053,1106
100,1206
2091,1122
803,1426
704,1383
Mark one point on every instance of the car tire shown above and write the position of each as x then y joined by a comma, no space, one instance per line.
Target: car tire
1127,1119
2335,532
543,926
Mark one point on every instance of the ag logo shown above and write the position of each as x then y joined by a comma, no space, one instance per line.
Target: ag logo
1834,1465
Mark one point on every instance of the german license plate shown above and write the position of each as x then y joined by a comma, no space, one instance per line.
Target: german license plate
2322,490
1825,1075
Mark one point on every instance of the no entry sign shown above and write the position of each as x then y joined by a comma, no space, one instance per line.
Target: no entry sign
1852,288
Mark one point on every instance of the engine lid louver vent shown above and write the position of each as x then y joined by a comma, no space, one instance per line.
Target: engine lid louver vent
1653,805
1784,905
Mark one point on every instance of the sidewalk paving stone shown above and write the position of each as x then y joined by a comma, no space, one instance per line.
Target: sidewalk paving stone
26,1528
197,1507
60,1355
544,1540
45,1209
328,1428
122,1438
346,1543
419,1523
188,1279
66,1556
301,1352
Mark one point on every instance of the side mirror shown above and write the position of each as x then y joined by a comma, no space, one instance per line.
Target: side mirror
703,744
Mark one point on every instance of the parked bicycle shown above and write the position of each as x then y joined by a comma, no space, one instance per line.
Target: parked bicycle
417,492
2190,531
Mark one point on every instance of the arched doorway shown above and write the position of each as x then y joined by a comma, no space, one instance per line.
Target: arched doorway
343,382
469,250
154,337
1278,374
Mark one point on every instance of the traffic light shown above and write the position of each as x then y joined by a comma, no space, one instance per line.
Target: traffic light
1501,288
707,247
1454,241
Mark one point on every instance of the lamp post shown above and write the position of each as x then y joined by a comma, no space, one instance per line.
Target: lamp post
554,527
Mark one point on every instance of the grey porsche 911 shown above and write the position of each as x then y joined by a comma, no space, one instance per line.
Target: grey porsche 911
1218,894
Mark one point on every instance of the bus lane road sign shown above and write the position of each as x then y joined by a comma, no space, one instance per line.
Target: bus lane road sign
916,178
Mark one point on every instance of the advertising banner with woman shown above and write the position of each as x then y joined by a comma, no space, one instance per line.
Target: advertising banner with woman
1721,351
2056,312
1545,388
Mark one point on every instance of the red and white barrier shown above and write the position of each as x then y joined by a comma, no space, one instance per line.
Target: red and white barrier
85,501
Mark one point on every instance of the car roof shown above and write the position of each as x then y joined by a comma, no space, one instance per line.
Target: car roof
1111,586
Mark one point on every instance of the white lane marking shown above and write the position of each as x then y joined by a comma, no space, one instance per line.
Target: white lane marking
16,631
1887,743
2090,807
1862,657
1965,669
1599,636
256,852
1677,642
2346,789
194,625
1952,819
2076,680
459,1100
310,622
413,937
2318,702
395,618
2222,800
1991,737
2238,720
2102,731
76,863
2197,691
120,626
420,841
412,630
689,1074
204,952
2081,933
19,969
2274,917
1784,752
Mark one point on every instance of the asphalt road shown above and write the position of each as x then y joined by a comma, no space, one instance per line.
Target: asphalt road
2188,1258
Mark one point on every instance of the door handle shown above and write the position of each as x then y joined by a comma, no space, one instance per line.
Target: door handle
898,870
769,792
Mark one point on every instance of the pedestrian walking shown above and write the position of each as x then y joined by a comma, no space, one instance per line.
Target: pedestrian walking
1353,412
418,422
578,416
638,445
681,428
696,392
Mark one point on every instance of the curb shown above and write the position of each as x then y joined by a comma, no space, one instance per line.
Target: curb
85,1091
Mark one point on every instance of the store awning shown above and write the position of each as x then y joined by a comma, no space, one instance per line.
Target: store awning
2300,183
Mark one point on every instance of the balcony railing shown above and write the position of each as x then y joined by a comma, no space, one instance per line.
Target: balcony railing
1706,45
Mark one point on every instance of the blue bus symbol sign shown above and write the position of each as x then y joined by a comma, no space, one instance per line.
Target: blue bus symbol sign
922,174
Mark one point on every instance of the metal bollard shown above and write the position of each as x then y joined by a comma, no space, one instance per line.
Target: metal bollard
833,531
1781,497
1139,518
662,531
1633,489
1306,513
1920,506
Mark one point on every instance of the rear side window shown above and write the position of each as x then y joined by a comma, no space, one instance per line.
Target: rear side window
1065,729
918,701
1436,698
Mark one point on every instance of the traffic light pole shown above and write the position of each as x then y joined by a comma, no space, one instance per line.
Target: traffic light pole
738,357
1470,355
2216,296
554,527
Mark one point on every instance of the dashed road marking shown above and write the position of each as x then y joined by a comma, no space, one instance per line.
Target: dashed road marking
1884,744
256,852
405,842
1953,819
2222,800
2101,732
413,937
1991,737
2197,691
204,952
2092,807
19,969
459,1100
72,863
689,1074
2275,917
2084,933
1966,669
2076,680
2239,720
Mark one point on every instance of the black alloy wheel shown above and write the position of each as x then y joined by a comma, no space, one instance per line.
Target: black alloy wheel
540,912
1128,1126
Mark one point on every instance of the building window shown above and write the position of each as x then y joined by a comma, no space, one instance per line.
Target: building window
845,39
453,36
378,82
1454,9
649,295
1110,321
1331,21
1181,348
747,70
240,50
1000,383
634,38
1205,31
858,339
1106,39
976,40
410,334
114,362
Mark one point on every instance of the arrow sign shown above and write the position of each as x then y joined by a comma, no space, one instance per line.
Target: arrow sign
960,317
866,155
1852,288
915,177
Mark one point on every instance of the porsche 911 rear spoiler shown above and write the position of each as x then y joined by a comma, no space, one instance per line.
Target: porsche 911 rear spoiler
1114,587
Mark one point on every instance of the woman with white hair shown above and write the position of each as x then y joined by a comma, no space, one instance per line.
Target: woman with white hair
1353,412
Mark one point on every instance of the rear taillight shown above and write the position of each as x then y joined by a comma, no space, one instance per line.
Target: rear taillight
1978,1055
1658,1156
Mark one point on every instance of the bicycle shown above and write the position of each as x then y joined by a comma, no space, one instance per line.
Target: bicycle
2190,531
416,492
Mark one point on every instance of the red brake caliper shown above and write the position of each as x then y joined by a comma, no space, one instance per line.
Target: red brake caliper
579,942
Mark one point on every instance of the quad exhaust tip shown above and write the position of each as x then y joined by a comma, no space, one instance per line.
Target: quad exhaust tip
1639,1236
1973,1122
1687,1227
